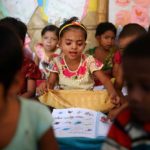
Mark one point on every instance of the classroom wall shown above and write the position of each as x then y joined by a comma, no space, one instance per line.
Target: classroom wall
38,13
36,17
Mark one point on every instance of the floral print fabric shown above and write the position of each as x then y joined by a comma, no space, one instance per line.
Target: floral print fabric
81,78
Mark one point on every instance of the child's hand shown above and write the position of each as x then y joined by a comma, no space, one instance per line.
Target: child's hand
113,113
115,99
42,88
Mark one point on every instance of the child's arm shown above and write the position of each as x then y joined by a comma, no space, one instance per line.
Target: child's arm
36,60
114,112
118,74
49,84
48,141
31,88
108,85
52,80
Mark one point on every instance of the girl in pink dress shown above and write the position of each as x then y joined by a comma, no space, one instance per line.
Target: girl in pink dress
45,50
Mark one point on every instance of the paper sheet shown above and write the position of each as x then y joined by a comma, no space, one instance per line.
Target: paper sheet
78,122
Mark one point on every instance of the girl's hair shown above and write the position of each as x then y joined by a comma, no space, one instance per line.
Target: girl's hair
51,28
17,25
140,48
72,23
132,29
103,27
11,56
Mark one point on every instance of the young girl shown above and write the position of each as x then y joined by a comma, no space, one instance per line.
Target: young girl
74,69
24,125
105,52
47,49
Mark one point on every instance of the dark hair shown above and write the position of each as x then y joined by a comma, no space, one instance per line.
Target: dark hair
140,48
51,28
105,26
18,26
132,29
11,56
75,26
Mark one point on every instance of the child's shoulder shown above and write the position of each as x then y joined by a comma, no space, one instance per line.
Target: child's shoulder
34,108
91,51
88,57
31,104
35,115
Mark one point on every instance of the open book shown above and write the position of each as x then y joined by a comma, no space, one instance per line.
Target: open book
79,122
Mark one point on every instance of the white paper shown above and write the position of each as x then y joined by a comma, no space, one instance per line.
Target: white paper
102,127
78,122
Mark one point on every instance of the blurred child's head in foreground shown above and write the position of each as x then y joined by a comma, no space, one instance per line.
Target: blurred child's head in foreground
136,62
129,33
11,57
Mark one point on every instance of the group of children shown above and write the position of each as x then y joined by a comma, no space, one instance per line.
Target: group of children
70,69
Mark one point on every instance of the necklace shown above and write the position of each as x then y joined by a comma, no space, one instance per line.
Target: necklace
78,65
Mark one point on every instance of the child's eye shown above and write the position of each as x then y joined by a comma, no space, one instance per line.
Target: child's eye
80,44
53,39
106,37
68,43
45,38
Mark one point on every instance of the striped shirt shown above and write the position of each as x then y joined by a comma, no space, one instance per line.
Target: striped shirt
125,134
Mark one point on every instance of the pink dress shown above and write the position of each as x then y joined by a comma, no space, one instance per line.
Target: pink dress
44,60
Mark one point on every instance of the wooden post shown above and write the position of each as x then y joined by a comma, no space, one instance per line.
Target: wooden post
102,10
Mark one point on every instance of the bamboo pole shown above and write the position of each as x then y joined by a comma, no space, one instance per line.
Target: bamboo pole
102,10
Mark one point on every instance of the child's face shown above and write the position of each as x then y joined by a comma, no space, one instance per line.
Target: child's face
124,41
72,43
49,40
137,75
106,40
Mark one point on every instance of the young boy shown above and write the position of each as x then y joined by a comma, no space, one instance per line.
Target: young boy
131,129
